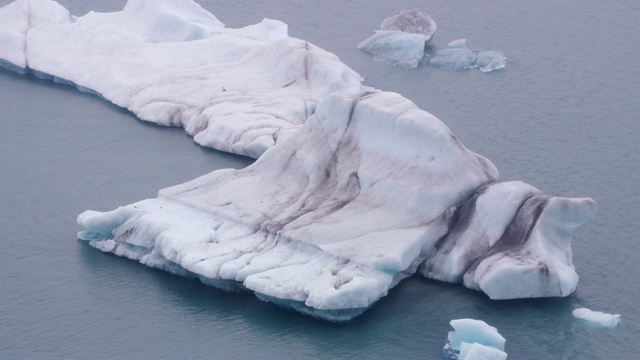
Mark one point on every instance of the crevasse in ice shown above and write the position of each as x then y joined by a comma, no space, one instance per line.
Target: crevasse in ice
354,188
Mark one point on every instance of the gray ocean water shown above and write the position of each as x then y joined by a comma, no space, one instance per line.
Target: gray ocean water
563,116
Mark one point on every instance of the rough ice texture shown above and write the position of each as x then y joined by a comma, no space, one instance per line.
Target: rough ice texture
510,231
395,48
455,59
490,60
457,56
355,188
412,21
156,57
597,317
401,39
475,340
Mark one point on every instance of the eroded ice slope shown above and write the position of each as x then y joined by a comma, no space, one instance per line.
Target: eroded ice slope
356,188
173,63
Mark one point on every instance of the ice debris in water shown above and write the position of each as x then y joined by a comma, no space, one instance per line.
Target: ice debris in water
359,188
490,60
597,317
457,56
460,43
401,39
454,59
474,340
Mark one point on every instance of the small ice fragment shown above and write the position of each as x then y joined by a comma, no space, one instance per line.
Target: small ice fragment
597,317
455,59
490,60
460,43
474,331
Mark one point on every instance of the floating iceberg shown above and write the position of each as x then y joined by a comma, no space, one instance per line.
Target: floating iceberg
475,340
401,39
173,63
354,188
597,317
490,60
457,56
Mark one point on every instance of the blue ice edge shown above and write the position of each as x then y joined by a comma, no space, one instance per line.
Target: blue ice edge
44,76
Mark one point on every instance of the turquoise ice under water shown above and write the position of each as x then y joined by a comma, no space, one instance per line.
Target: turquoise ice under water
561,116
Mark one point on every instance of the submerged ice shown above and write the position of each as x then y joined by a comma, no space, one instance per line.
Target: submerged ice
354,189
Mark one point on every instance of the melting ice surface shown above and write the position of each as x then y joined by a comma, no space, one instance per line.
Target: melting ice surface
597,317
474,340
401,39
354,188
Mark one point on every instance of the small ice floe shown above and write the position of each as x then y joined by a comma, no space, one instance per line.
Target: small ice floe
457,57
401,39
597,317
473,340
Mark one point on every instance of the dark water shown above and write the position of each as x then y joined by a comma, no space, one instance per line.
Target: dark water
563,116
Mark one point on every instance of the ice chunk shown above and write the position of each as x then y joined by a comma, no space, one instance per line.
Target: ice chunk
597,317
474,340
490,60
455,59
474,331
412,21
261,84
395,48
401,39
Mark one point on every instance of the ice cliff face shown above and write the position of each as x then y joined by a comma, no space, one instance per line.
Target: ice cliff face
354,188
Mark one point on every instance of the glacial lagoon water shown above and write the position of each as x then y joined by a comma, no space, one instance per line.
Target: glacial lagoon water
562,116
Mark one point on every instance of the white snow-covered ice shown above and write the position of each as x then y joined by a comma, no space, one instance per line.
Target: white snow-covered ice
597,317
475,340
156,57
401,39
354,188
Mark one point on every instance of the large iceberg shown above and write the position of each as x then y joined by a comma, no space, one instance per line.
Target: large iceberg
401,39
354,188
173,63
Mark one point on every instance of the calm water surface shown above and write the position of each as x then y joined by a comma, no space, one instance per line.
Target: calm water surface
562,116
